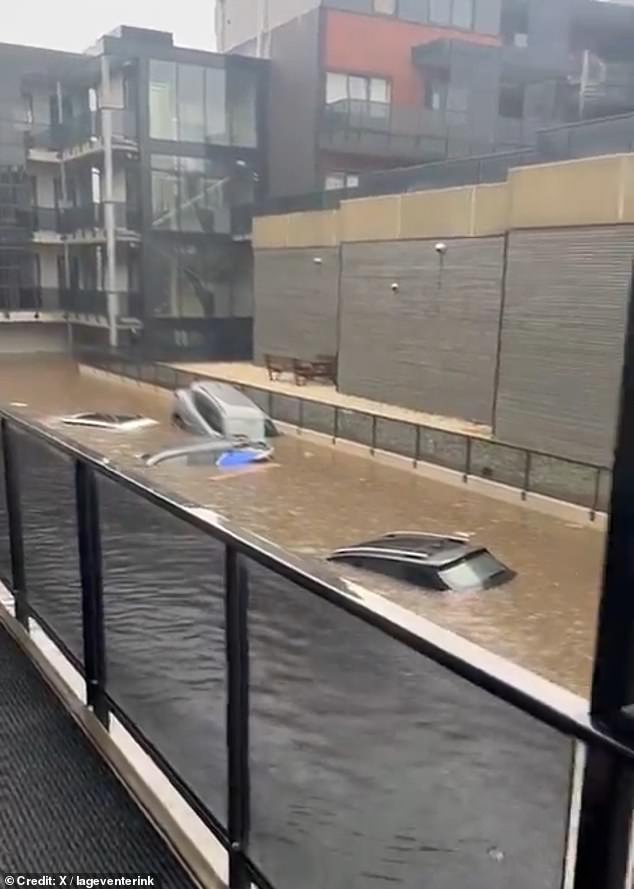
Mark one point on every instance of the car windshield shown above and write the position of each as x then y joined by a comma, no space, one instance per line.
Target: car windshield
480,570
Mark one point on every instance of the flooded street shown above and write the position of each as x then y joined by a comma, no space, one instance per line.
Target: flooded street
316,498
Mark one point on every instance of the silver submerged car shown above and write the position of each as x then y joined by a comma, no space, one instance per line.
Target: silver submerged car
213,452
221,411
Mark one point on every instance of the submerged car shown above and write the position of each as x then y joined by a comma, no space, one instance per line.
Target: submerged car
214,452
222,411
432,561
119,422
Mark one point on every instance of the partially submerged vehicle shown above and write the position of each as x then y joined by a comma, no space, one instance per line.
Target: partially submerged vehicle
118,422
218,452
222,411
431,561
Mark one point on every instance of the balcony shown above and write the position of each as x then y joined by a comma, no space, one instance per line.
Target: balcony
83,134
386,130
33,299
93,304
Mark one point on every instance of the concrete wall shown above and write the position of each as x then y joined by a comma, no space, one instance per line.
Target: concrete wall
562,340
18,338
296,308
433,344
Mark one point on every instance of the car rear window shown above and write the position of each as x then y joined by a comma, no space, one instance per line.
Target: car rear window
476,571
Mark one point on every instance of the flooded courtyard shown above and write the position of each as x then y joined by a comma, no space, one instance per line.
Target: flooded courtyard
315,498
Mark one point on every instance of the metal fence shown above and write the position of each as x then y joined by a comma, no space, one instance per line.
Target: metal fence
530,472
326,741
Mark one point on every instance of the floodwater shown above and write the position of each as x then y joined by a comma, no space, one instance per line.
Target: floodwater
316,498
370,766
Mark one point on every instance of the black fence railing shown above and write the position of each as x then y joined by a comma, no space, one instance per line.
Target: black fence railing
528,471
83,128
27,299
325,737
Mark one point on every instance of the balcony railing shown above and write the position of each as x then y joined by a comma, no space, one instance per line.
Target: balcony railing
381,127
91,217
29,299
94,303
325,736
84,128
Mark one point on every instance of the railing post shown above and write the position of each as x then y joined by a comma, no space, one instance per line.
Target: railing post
237,653
14,515
597,494
468,456
605,817
527,475
94,636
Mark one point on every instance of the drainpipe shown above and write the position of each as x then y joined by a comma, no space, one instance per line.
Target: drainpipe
108,203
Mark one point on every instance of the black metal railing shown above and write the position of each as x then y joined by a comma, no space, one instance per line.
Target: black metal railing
93,303
320,734
83,129
26,299
528,471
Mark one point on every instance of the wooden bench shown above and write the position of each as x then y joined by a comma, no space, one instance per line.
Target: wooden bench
278,365
323,367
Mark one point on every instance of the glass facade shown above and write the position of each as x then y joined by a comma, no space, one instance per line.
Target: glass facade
189,103
196,194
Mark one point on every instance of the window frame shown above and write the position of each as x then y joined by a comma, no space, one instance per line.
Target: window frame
367,77
449,23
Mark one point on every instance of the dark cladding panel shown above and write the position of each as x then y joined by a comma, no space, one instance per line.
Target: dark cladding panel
295,92
562,340
296,302
432,345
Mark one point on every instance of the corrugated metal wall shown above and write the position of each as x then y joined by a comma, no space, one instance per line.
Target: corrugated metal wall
296,302
562,339
432,345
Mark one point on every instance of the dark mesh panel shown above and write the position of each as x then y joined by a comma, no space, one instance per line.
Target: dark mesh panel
164,606
372,766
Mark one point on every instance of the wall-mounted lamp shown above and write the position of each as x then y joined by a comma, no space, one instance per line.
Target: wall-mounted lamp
441,249
395,287
318,260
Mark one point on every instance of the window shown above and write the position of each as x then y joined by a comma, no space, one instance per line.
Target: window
340,87
216,129
209,413
163,100
455,13
514,25
242,103
437,91
165,208
512,100
336,180
440,12
191,104
384,7
462,14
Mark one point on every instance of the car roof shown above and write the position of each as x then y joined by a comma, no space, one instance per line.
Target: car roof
230,399
432,549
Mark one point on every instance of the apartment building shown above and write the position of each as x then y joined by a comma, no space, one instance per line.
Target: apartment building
126,179
359,85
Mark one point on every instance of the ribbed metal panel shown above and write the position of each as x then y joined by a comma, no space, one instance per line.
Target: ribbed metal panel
562,340
296,302
431,346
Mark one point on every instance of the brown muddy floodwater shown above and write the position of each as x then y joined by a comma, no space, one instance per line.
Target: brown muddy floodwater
316,497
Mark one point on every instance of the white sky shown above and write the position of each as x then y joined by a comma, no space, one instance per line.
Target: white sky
76,24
